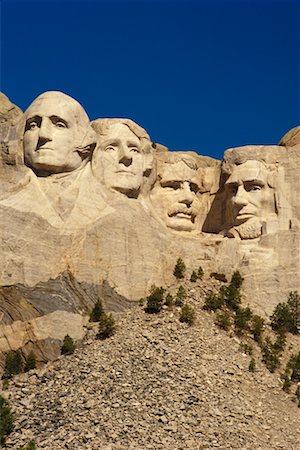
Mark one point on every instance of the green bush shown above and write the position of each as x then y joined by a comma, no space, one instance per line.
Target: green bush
179,269
97,311
257,327
286,382
6,420
30,362
293,365
188,315
68,347
223,320
270,355
280,342
297,394
231,296
155,300
200,273
242,318
246,348
180,296
169,301
194,277
212,302
30,446
107,326
286,316
236,280
13,364
252,365
218,276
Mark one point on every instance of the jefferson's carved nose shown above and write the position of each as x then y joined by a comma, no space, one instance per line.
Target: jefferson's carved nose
125,160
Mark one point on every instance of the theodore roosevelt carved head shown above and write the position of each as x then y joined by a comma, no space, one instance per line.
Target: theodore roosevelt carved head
174,195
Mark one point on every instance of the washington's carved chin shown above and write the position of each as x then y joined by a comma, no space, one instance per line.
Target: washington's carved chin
250,229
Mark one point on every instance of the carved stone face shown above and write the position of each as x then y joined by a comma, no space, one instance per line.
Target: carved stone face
120,160
174,196
249,198
55,126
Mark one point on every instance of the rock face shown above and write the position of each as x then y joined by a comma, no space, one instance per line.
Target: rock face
99,205
156,384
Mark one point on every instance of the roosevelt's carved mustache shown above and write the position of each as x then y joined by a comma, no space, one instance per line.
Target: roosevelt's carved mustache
192,212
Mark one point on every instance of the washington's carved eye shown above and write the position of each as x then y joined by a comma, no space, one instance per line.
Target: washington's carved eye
32,125
60,125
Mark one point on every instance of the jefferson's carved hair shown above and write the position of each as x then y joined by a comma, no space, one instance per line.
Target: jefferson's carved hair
102,126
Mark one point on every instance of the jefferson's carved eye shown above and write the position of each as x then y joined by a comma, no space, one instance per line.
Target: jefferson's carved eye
110,148
134,149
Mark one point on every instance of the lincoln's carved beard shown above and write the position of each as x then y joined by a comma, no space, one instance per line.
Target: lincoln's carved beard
251,229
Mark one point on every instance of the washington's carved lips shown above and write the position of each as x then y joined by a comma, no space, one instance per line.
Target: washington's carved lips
38,149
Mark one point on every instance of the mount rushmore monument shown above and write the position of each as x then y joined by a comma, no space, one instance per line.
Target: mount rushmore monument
93,208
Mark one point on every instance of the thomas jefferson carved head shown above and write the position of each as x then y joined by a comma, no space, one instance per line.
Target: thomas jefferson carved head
57,134
174,195
250,198
124,156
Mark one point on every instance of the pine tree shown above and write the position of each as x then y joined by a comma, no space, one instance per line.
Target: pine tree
68,346
6,420
179,269
97,311
30,362
107,326
13,364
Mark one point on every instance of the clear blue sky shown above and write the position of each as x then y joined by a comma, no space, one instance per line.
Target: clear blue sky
198,75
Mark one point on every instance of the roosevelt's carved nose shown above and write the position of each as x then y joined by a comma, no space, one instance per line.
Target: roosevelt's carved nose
186,195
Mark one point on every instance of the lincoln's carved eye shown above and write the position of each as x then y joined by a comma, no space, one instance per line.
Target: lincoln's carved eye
194,187
232,189
254,188
110,148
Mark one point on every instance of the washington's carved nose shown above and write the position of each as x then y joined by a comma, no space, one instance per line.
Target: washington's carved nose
125,160
41,141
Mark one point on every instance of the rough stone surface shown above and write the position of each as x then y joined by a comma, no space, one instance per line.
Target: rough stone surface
102,203
156,384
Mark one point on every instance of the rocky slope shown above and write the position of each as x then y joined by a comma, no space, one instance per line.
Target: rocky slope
156,384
